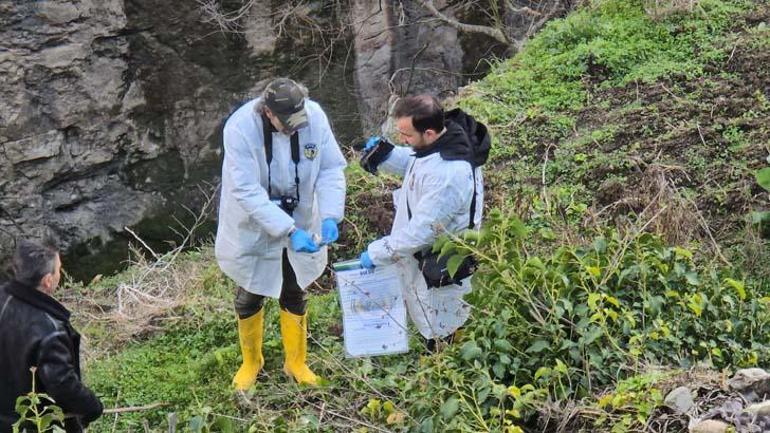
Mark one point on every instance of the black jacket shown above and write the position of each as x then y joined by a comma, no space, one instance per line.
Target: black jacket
35,331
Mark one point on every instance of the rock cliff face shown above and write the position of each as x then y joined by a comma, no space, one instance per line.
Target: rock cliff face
108,108
66,129
112,108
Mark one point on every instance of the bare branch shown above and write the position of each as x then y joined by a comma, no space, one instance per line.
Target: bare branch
492,32
134,408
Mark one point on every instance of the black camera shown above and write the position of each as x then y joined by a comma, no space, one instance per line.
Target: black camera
286,203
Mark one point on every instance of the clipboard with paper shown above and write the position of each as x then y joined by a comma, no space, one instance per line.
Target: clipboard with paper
373,310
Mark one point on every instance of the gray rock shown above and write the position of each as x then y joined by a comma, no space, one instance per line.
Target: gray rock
761,409
76,118
752,383
680,400
710,426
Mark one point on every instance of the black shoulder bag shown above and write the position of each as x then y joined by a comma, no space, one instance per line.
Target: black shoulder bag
434,268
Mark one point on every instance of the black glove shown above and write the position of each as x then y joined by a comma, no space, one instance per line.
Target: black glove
376,151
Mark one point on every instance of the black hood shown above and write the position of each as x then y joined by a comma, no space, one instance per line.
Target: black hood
453,144
465,139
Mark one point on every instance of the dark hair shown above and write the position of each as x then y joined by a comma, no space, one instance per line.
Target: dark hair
425,110
32,261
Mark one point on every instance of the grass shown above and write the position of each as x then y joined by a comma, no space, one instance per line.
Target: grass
188,365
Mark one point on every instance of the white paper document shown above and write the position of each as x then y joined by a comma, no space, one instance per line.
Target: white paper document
373,311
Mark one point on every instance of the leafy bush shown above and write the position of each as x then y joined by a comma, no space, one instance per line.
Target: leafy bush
570,322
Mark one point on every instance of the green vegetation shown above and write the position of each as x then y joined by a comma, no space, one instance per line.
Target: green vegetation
31,413
630,157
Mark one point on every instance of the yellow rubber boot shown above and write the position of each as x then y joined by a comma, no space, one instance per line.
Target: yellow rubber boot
250,331
294,335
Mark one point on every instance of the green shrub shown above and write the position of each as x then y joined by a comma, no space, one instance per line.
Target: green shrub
39,410
580,318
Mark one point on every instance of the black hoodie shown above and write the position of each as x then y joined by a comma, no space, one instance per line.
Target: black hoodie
465,139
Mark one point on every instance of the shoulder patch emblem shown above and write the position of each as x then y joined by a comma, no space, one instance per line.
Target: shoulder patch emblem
311,151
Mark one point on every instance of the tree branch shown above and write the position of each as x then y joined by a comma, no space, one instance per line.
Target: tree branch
493,32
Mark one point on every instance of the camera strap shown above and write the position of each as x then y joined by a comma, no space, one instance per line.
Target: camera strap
267,135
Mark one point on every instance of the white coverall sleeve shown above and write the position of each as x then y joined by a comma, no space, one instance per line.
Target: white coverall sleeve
243,168
442,197
397,162
330,183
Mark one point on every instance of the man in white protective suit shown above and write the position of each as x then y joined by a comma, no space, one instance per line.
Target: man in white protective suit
282,183
442,192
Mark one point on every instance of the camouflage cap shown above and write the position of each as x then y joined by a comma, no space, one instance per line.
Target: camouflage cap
286,100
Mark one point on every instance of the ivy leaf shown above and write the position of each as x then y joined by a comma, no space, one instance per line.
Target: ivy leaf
454,262
427,425
561,367
538,346
225,425
373,407
600,245
593,333
514,391
612,300
593,300
483,394
738,286
470,350
760,217
388,407
542,371
439,243
196,424
499,370
692,278
503,345
395,418
696,304
449,408
547,234
594,271
763,178
683,252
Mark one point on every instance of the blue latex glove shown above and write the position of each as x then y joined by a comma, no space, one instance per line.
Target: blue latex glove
329,231
302,242
371,142
366,261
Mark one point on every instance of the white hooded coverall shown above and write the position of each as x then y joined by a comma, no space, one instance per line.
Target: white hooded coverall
439,194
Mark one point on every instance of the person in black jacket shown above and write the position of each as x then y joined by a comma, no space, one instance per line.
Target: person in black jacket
35,332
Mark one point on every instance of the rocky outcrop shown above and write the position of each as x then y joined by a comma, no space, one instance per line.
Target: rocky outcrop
109,107
65,130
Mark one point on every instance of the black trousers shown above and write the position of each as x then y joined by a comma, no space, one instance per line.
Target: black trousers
292,297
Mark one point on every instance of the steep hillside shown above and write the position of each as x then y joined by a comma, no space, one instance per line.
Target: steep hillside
637,113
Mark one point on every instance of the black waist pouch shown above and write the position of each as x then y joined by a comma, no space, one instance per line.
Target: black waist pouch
434,269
